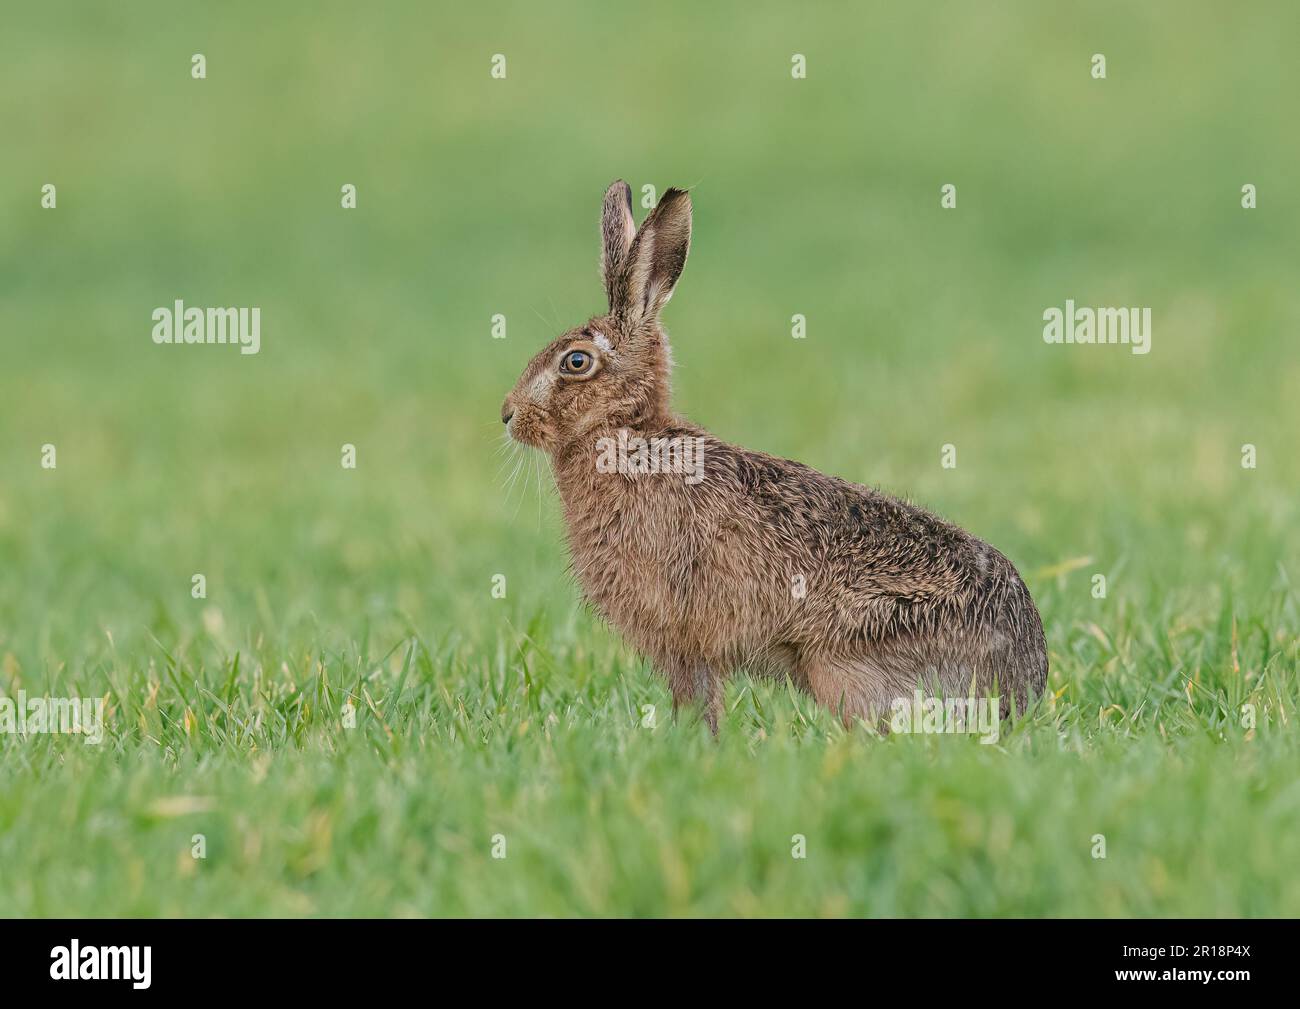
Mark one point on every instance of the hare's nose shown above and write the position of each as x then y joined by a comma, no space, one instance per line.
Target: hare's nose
507,411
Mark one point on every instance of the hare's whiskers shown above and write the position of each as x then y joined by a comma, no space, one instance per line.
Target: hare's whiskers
537,468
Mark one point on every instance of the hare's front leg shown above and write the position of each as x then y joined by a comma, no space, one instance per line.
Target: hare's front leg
692,681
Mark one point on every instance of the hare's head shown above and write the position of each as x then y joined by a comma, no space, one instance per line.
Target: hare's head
613,370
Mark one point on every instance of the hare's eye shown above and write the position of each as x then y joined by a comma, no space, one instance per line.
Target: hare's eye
576,362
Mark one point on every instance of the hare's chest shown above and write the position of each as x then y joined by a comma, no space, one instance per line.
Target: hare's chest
633,574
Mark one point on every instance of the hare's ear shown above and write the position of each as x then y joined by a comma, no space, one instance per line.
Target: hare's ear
656,258
617,229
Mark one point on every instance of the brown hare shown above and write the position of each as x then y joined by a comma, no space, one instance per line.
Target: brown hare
711,558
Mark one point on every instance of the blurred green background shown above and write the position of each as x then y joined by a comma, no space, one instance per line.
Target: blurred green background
477,197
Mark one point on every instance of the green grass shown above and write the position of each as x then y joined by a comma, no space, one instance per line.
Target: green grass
522,716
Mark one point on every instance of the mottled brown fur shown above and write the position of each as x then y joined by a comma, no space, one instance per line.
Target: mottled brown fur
701,577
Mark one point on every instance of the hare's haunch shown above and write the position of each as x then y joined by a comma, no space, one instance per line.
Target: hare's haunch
710,558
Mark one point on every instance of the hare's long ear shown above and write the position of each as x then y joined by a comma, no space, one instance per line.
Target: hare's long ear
617,229
656,258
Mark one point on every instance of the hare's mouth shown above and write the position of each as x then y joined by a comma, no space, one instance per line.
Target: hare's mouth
514,434
526,430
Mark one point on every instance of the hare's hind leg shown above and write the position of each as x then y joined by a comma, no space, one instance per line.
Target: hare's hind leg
851,687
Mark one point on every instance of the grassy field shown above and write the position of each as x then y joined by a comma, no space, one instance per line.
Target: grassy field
365,594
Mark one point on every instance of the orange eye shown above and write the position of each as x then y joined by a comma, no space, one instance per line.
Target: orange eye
576,362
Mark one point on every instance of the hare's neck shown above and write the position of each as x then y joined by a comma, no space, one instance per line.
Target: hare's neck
584,490
586,467
647,407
